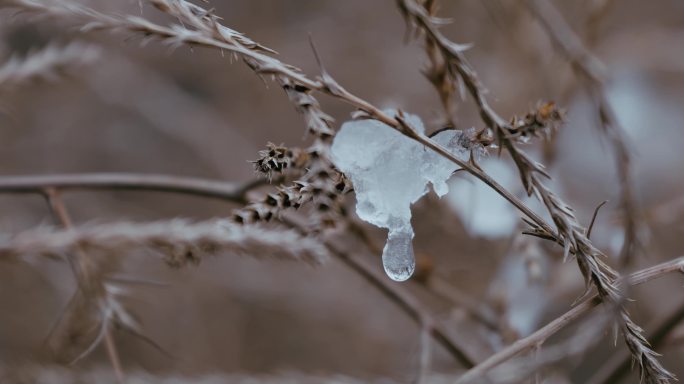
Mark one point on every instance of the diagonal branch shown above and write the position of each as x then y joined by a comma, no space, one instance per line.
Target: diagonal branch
88,282
537,338
266,65
571,234
588,69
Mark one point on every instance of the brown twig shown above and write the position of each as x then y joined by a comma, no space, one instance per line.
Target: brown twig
425,360
130,181
408,303
435,284
82,270
538,337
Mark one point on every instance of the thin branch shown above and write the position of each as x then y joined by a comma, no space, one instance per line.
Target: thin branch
588,69
130,181
593,218
436,285
438,73
409,303
425,360
517,370
87,282
539,336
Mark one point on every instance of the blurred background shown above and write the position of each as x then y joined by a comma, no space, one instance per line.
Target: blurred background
153,109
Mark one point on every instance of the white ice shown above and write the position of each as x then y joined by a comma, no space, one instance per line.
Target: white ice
390,172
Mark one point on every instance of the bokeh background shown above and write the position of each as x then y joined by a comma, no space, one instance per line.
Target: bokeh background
153,109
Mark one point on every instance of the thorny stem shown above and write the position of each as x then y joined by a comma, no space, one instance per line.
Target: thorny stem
571,234
264,64
619,363
437,73
542,334
82,269
587,67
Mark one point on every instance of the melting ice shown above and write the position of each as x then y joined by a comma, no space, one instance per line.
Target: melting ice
390,172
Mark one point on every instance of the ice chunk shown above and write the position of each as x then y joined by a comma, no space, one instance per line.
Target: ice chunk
390,172
397,255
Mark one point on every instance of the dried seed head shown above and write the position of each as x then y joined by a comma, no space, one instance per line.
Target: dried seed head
277,158
541,121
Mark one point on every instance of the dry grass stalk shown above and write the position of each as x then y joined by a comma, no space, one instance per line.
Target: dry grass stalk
445,82
92,299
588,70
320,182
180,242
571,234
175,35
49,63
619,364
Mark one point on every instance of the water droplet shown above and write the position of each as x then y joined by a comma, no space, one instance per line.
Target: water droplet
397,256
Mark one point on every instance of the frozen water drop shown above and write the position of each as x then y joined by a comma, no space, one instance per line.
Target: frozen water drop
397,256
390,172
